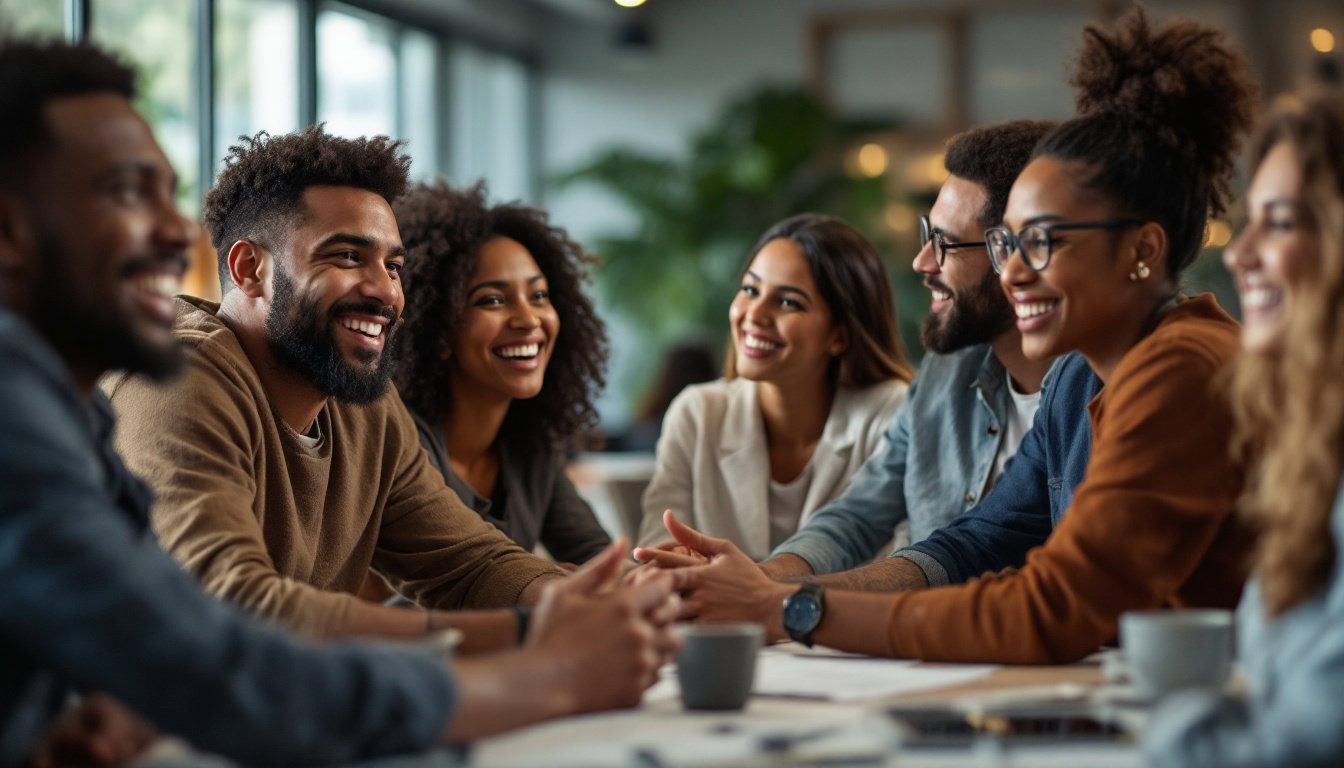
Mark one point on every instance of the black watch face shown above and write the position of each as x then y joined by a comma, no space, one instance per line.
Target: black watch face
803,613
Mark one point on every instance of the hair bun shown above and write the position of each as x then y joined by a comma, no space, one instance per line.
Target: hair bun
1182,80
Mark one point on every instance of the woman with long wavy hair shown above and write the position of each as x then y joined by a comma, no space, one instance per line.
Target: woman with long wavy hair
504,355
1288,400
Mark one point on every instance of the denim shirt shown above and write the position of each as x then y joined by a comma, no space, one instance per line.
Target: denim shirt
90,603
1295,665
1031,495
934,463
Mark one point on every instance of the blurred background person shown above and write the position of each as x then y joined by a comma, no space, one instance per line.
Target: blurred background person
1289,408
503,357
814,375
685,363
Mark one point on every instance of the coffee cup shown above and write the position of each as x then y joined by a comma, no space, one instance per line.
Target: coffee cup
1169,650
717,665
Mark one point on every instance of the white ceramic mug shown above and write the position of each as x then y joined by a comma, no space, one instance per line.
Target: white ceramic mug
1168,650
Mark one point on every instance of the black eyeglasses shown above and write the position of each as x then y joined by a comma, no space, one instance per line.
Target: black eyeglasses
1035,242
940,244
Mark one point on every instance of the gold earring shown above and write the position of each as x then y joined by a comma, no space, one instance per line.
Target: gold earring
1143,271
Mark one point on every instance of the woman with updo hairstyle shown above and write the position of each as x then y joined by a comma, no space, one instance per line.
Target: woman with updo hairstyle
813,378
502,357
1122,496
1288,398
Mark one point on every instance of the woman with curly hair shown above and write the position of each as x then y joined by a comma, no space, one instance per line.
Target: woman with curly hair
503,356
814,376
1121,496
1288,399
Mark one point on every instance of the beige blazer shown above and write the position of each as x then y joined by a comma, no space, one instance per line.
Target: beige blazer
714,472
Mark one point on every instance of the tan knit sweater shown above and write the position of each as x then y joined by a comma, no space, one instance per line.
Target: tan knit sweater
289,532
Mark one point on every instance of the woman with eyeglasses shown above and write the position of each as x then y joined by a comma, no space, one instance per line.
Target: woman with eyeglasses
813,378
1288,399
1098,229
1122,494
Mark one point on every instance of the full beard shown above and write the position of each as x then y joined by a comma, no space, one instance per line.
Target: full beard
96,331
977,316
300,337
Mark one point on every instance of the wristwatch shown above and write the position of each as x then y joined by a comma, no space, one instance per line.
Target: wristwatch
803,611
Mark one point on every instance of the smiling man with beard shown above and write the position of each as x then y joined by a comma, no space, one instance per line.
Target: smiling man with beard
284,464
973,398
91,247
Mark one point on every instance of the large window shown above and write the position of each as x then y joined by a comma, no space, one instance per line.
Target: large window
377,77
491,122
356,73
32,18
420,95
256,70
463,110
159,37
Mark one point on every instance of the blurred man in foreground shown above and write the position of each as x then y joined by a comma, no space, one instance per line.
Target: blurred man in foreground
91,250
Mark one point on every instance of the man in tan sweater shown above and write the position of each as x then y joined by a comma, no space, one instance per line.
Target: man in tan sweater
284,465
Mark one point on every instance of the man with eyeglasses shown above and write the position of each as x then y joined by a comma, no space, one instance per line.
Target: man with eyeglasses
1055,606
973,399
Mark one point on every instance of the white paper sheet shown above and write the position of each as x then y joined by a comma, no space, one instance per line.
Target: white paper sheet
838,677
855,679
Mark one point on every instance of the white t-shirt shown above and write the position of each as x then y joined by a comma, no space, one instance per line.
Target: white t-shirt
313,437
786,505
1021,412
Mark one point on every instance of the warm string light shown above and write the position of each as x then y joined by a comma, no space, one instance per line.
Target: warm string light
629,3
871,160
1322,40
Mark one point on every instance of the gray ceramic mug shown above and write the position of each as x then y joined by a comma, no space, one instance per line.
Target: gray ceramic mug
1169,650
717,666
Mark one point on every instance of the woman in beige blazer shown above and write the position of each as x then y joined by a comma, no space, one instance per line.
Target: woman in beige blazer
813,378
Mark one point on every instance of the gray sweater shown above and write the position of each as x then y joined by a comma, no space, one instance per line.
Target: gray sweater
91,603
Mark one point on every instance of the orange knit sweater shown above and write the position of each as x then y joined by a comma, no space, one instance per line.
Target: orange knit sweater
1152,524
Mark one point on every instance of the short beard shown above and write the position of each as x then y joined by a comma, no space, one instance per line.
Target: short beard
302,342
95,333
977,316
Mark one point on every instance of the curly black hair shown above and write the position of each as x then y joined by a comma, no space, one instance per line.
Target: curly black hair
443,230
1162,110
992,156
34,73
264,177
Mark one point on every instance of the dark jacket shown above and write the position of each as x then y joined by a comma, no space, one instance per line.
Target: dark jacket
91,603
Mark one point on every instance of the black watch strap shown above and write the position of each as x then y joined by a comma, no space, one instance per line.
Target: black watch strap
524,615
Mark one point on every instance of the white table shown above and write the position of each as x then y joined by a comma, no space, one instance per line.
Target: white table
660,733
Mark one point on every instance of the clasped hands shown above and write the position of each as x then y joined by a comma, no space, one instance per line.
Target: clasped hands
717,581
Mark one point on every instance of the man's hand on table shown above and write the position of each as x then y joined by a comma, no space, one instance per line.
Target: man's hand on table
98,731
592,644
615,637
718,581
